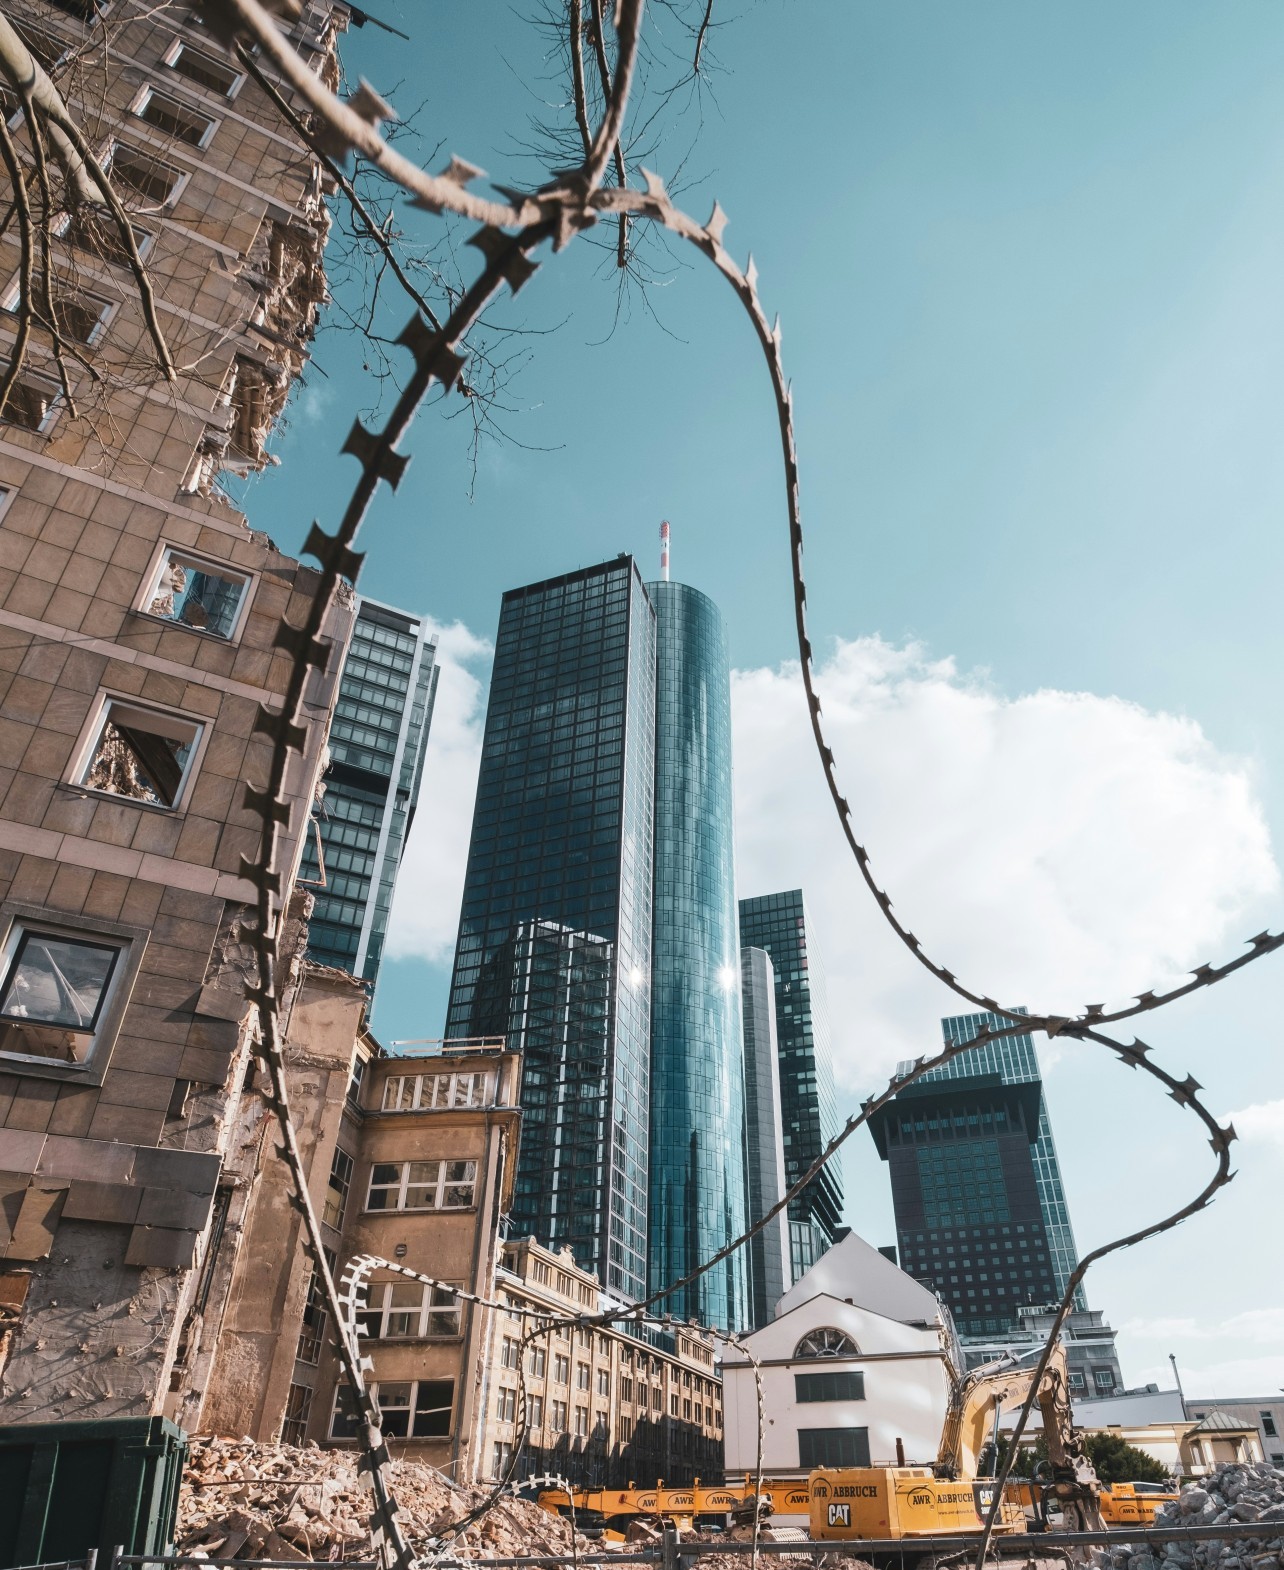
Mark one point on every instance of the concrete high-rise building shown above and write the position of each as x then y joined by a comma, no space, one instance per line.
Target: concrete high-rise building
781,924
980,1206
142,633
557,906
598,929
377,743
769,1268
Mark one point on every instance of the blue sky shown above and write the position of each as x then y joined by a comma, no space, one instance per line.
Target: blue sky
1027,262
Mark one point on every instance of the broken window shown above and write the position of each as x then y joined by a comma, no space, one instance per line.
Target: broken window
32,403
205,70
298,1408
422,1185
77,314
409,1409
53,994
143,175
196,594
99,234
336,1194
173,117
144,755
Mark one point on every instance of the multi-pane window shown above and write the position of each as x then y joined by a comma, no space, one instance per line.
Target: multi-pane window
298,1408
76,313
581,1422
408,1310
829,1386
503,1459
151,179
205,70
508,1352
418,1092
561,1369
559,1417
538,1361
336,1194
581,1376
535,1411
100,235
410,1409
833,1447
173,117
506,1404
54,991
422,1185
143,755
316,1316
205,596
603,1382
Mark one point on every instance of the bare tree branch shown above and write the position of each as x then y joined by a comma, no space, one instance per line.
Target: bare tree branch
22,204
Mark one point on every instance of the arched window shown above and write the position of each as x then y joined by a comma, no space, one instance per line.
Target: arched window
826,1343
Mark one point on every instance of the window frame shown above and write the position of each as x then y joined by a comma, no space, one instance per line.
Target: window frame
110,306
401,1187
426,1311
175,51
131,192
412,1409
194,561
132,945
52,409
82,756
150,90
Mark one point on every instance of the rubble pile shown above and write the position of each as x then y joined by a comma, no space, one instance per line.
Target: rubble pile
1232,1493
242,1500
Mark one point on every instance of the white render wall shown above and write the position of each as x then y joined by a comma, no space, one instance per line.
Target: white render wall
907,1385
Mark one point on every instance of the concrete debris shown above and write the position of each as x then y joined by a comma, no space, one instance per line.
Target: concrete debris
1231,1494
242,1500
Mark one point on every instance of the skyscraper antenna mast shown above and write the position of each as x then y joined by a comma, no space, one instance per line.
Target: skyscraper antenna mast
664,550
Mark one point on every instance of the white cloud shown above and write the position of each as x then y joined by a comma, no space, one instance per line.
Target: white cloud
1264,1325
1052,849
425,915
1261,1124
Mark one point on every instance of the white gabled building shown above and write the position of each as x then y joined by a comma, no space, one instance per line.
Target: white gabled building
857,1368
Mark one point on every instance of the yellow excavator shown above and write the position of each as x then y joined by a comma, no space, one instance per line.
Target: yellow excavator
953,1497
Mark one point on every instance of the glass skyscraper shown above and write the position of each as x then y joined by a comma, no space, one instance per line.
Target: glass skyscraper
554,946
781,924
377,742
980,1207
598,930
697,1179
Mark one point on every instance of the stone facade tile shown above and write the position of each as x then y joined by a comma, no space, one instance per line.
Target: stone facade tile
32,1104
135,1125
195,1171
168,1207
204,1066
27,798
110,1202
74,1110
28,597
70,812
92,1159
46,561
158,833
25,699
20,1148
107,896
44,661
160,1248
70,889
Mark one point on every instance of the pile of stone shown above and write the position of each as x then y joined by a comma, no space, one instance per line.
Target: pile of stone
242,1500
1233,1493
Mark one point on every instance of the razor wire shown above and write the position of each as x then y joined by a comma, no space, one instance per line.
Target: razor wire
559,213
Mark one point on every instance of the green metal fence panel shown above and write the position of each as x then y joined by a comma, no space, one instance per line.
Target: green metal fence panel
68,1487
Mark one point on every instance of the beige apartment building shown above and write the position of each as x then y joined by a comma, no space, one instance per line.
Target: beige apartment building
604,1406
139,627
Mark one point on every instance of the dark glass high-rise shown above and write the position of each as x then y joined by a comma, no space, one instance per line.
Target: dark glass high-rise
781,924
554,946
377,742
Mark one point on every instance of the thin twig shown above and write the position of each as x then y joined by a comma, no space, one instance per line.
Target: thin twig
9,154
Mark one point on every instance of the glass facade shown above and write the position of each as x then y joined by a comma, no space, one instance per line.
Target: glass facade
1015,1061
980,1209
377,744
554,946
697,1180
770,1274
780,924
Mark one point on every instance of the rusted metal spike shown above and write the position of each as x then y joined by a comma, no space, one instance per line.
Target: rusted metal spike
717,223
655,185
375,453
333,555
368,106
263,876
274,725
460,172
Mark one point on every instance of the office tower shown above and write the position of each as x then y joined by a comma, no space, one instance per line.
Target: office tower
142,642
697,1078
980,1209
781,924
769,1269
377,743
557,895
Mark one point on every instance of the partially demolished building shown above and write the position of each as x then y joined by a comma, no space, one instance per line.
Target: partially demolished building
139,622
